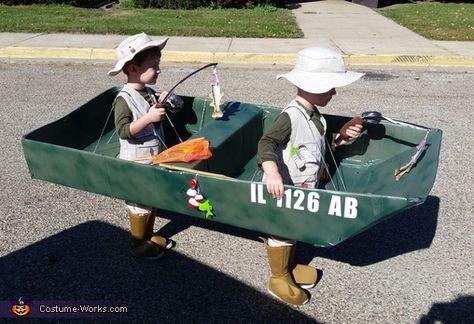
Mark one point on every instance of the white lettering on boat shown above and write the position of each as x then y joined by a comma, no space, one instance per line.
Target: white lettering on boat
302,200
350,207
256,194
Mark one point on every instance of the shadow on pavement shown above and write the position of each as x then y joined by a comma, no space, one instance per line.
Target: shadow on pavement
91,262
411,230
387,3
458,311
408,231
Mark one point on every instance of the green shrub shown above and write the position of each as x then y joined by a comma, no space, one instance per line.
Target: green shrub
169,4
75,3
192,4
164,4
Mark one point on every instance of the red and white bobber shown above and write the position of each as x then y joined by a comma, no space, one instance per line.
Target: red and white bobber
194,197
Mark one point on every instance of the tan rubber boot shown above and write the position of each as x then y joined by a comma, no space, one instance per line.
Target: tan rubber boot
163,242
139,244
304,276
281,284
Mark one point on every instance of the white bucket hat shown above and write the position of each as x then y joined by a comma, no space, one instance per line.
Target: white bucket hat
319,69
133,45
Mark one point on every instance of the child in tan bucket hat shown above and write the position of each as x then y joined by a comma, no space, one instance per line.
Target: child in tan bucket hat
292,152
139,113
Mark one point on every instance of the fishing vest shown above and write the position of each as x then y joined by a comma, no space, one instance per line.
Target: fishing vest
300,161
149,141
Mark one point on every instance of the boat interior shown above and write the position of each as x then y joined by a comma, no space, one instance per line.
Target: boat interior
366,166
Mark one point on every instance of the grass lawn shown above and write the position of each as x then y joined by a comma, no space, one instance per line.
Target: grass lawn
435,20
259,22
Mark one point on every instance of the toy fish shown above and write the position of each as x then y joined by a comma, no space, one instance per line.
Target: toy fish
216,94
206,206
407,167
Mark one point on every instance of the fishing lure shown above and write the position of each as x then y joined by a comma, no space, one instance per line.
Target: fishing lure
197,201
407,167
216,94
206,207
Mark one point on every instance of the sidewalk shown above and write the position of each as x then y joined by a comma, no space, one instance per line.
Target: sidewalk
361,34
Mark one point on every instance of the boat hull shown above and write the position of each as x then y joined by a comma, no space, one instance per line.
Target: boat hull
78,151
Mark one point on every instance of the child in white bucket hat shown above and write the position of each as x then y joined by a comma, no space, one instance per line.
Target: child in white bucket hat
292,152
139,113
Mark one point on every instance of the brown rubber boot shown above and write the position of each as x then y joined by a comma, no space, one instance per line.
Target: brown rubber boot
304,276
139,244
163,242
281,284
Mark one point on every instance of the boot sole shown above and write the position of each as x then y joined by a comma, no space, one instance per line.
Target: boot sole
159,256
271,293
309,286
149,258
169,244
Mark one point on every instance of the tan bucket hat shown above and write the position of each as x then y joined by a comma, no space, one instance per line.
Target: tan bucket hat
319,69
133,45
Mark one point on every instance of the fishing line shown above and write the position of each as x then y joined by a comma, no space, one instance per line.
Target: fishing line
374,117
172,126
103,129
176,85
111,136
187,77
338,170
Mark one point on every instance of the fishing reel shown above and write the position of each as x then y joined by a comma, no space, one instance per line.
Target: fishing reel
371,117
174,103
368,117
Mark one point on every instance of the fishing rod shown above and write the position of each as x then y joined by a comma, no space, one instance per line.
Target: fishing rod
173,106
187,77
174,103
374,117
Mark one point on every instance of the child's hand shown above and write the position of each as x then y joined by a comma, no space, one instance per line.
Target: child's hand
156,113
273,179
161,97
350,131
275,186
353,131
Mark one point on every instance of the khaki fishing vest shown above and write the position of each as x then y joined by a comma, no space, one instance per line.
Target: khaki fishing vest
300,161
149,141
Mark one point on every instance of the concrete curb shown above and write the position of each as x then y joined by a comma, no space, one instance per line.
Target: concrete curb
99,54
93,54
411,60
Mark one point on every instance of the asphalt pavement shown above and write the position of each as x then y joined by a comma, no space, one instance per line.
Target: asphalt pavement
63,244
360,33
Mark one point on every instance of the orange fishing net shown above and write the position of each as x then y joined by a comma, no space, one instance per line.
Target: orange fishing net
187,151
